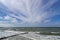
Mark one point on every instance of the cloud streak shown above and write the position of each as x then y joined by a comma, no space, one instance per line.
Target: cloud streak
29,11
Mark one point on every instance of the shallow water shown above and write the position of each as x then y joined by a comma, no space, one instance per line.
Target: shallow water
6,34
29,36
17,38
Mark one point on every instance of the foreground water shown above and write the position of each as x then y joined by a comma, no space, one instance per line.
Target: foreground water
17,38
28,36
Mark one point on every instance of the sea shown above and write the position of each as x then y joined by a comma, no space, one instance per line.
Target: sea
31,35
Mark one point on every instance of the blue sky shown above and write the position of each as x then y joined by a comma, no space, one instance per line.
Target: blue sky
29,13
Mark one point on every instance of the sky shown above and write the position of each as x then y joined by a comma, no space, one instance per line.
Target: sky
29,13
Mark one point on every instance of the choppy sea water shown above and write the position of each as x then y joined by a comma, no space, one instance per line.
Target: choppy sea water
29,36
17,38
7,34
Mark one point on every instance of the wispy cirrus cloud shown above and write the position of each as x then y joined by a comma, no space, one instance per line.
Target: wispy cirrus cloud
29,11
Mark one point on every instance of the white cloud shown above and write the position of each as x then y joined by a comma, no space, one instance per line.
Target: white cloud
29,8
47,21
7,17
10,19
5,24
14,20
